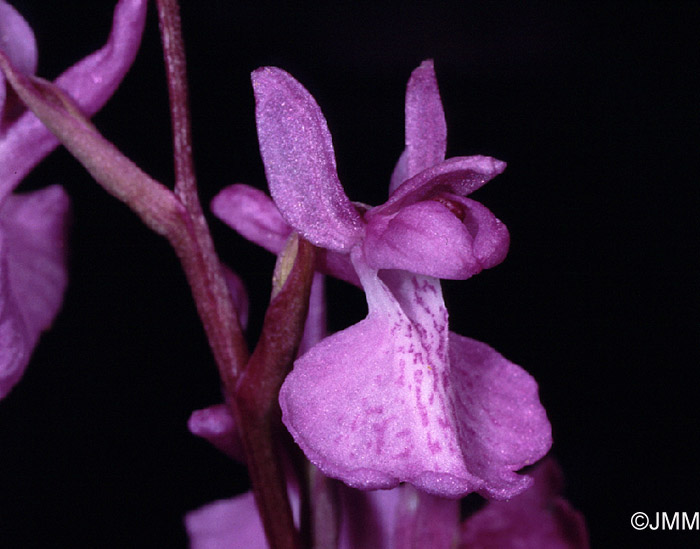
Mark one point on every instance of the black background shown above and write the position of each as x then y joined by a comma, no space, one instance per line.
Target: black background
595,108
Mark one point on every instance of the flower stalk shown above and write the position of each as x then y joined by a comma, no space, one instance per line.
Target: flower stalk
211,288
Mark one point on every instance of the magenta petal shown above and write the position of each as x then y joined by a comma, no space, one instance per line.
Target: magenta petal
539,517
428,238
315,326
501,423
384,402
93,80
216,425
299,162
17,41
400,173
490,236
460,175
226,524
426,130
33,271
425,520
239,296
90,82
253,214
424,238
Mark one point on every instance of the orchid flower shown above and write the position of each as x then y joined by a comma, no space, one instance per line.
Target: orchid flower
32,226
396,397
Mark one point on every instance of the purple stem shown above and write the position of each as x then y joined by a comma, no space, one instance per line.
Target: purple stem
254,399
208,286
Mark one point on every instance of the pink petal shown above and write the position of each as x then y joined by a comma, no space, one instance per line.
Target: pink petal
491,237
400,173
17,41
254,215
315,326
379,403
539,517
299,162
425,520
460,175
239,296
233,523
226,524
369,518
428,238
33,271
357,402
90,82
216,425
501,423
426,130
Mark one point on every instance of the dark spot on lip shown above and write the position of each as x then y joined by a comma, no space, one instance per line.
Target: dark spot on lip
455,207
460,211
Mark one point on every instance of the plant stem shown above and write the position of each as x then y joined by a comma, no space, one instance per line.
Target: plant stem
200,261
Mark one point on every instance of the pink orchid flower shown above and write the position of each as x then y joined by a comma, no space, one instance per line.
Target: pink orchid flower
396,397
32,226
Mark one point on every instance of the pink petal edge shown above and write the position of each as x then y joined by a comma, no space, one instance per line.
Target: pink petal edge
426,129
18,42
460,175
33,274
